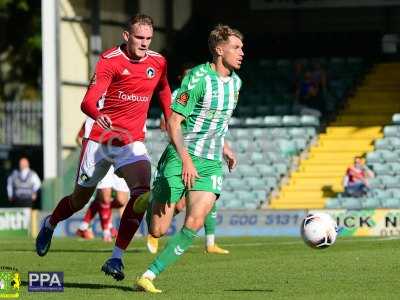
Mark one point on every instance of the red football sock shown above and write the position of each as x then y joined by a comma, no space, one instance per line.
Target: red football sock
105,215
62,212
130,222
91,211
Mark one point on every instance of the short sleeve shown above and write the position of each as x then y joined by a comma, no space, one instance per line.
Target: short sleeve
191,90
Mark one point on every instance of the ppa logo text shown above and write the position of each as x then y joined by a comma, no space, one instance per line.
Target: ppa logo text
46,281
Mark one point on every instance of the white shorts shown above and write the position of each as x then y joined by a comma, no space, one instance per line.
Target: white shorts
96,160
113,181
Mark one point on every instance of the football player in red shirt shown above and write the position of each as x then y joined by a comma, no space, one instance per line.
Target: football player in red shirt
118,99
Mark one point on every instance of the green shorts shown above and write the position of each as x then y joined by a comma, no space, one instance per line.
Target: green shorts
168,185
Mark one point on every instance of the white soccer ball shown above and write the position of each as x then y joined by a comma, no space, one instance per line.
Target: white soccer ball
319,230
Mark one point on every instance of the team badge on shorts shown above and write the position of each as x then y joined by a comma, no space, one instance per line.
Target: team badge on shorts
150,72
183,98
84,177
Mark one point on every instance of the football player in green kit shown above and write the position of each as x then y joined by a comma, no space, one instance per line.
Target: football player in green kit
191,164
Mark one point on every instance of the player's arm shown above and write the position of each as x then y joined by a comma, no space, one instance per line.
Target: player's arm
97,87
182,107
229,156
164,94
189,172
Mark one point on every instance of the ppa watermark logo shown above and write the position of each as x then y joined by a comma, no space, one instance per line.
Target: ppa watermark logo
46,281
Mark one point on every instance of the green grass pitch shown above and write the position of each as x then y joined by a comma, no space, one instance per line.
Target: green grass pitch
257,268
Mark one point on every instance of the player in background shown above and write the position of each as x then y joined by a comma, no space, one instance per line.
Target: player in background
210,222
192,163
118,99
103,202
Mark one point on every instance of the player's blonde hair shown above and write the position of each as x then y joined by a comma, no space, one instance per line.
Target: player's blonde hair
220,34
139,19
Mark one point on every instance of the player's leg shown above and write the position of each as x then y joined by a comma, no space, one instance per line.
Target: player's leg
105,212
210,224
199,205
92,169
137,175
152,241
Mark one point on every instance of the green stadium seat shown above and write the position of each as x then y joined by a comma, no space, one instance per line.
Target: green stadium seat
370,203
395,166
374,157
351,203
257,158
271,183
256,183
291,121
390,181
246,170
282,109
266,170
380,193
396,119
259,133
375,183
389,156
274,121
382,169
298,132
250,205
394,142
391,131
333,203
253,121
383,144
307,120
281,169
391,203
301,143
260,195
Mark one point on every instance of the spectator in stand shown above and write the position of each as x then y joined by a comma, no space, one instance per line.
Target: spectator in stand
23,185
356,179
307,96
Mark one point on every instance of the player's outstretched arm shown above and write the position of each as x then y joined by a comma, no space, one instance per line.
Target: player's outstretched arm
189,172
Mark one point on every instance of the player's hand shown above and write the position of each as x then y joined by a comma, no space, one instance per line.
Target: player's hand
189,173
104,121
230,158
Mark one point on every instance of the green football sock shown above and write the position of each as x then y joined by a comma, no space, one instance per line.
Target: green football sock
175,247
211,221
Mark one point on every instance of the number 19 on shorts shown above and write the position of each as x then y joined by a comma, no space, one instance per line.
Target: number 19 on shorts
216,182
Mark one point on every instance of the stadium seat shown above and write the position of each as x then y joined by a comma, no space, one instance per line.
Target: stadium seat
333,203
256,183
260,195
351,203
396,119
375,183
257,158
391,203
390,181
370,203
374,157
266,170
380,193
391,131
389,156
382,169
272,121
383,144
309,120
291,121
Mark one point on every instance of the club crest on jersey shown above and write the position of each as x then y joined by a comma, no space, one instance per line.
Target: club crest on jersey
150,72
183,98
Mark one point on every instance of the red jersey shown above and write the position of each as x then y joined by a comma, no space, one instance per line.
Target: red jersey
355,174
122,88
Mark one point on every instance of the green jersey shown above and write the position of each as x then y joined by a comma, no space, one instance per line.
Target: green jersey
207,101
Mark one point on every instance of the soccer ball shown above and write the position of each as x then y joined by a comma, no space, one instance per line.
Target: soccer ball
319,230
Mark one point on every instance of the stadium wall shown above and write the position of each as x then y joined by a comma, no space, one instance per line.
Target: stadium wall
379,222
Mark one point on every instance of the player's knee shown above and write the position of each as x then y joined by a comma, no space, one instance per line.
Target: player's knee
156,232
194,223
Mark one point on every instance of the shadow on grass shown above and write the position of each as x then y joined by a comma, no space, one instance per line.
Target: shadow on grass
93,286
250,290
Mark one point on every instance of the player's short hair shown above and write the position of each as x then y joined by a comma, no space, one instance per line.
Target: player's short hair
220,34
139,19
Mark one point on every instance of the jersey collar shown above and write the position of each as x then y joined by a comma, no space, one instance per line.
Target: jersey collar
123,49
223,79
